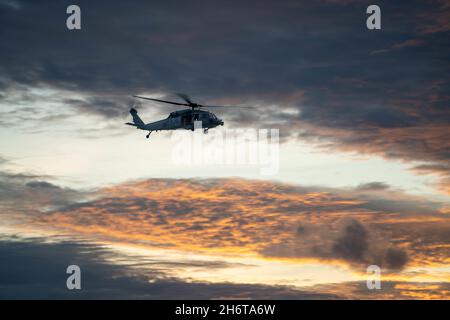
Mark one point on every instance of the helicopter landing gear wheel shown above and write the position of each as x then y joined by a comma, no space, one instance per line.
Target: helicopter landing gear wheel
148,135
205,131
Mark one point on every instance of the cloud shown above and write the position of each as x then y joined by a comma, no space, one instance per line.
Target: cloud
396,258
365,225
438,20
441,170
359,227
391,290
373,186
3,160
282,57
35,269
353,243
404,44
25,195
39,272
209,216
41,184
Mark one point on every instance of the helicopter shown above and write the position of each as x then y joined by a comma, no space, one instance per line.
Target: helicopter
180,119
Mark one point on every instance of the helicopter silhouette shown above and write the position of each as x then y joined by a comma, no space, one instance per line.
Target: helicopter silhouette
180,119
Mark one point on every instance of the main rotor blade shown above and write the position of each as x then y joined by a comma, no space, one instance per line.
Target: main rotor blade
185,97
165,101
240,107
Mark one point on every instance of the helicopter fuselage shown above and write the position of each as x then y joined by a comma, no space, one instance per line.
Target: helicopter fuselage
181,119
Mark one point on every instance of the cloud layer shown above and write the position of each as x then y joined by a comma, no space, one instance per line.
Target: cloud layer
372,224
312,68
45,278
389,229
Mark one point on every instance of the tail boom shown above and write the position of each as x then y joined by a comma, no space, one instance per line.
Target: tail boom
137,121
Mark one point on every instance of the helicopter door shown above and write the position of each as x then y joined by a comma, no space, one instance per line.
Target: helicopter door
187,120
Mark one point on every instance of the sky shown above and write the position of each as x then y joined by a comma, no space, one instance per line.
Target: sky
359,174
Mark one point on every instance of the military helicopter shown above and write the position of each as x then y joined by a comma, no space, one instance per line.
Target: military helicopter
181,119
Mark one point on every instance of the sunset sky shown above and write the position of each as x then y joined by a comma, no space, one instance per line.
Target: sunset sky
364,156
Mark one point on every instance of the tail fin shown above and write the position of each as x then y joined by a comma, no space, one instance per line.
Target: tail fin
136,119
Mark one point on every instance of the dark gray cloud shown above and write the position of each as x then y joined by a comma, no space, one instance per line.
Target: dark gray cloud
395,258
373,186
353,243
41,184
34,269
265,51
26,195
102,106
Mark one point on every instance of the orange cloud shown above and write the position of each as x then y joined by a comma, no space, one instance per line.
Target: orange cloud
236,216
